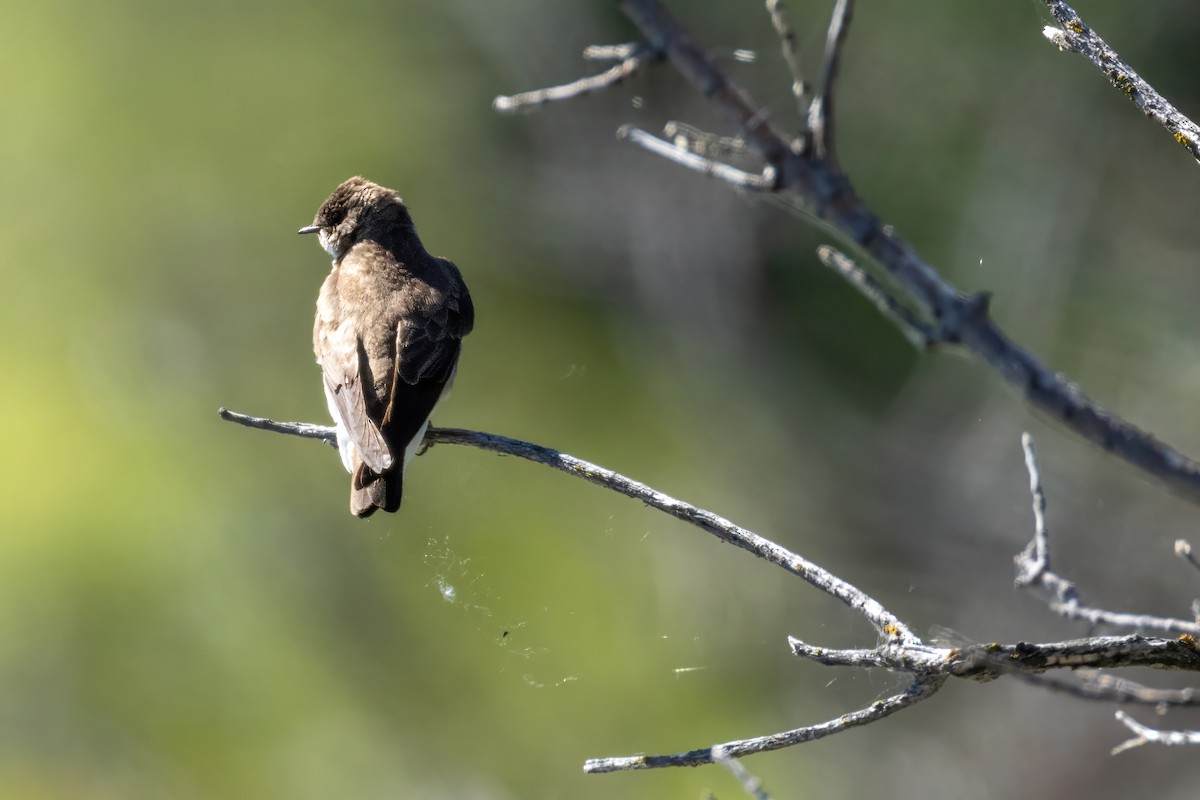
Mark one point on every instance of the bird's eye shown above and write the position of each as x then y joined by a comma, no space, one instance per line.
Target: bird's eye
333,215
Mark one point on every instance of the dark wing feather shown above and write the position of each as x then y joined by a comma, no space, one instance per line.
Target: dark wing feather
428,345
341,357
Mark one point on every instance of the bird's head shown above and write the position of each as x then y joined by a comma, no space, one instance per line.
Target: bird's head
357,210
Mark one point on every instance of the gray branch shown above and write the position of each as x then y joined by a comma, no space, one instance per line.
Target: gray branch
885,623
1095,685
698,163
986,662
636,57
1078,37
1146,735
826,194
918,691
1033,569
820,111
790,47
898,650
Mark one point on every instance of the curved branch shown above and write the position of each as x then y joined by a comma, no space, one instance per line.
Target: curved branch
919,690
898,650
885,623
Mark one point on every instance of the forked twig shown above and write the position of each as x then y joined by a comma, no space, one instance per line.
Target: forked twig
638,57
1147,735
1033,569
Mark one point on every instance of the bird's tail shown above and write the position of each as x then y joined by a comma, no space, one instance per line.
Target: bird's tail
370,490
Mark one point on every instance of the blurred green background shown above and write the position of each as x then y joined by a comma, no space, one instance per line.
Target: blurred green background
187,610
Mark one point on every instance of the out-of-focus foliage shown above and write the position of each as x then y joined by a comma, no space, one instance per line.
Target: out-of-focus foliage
188,610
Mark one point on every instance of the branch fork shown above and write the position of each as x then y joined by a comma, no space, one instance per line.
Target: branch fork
898,648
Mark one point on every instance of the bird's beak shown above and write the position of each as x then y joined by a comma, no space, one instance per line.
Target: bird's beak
309,229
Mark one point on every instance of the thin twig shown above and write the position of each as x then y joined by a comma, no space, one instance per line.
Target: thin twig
638,58
750,783
741,179
821,110
1147,735
917,331
1078,37
920,689
790,46
1098,616
704,143
1033,569
611,52
1112,689
305,430
1033,562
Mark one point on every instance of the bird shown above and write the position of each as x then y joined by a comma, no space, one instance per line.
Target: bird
388,333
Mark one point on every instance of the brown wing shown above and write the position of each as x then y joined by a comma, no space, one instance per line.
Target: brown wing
428,344
341,356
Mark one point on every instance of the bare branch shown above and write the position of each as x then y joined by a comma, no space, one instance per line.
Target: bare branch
1110,688
985,662
1098,616
820,111
918,691
885,623
304,430
706,166
611,52
917,331
750,783
1078,37
702,142
1033,569
638,57
1147,735
791,53
899,649
1033,562
827,195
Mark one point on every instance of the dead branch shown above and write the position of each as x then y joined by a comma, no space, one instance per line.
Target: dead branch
1078,37
898,649
813,178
